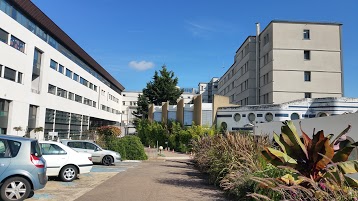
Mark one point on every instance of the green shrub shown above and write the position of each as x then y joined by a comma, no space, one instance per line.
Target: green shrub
130,147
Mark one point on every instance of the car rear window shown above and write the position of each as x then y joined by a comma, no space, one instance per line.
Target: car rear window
35,149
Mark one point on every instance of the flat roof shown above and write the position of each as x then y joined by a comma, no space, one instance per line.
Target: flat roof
41,19
305,22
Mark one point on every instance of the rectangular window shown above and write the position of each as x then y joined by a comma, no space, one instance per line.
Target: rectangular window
124,102
281,115
307,54
85,101
103,107
75,77
60,68
83,81
308,95
51,89
37,59
53,64
61,93
307,76
9,74
306,34
71,96
94,87
68,73
17,44
94,104
90,85
4,36
78,98
19,77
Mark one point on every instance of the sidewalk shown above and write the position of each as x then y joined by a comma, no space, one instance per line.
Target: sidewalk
166,155
156,180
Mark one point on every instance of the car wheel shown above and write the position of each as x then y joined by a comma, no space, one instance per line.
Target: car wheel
15,188
107,160
68,173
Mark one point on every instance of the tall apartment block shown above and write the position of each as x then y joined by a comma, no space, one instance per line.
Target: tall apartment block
295,60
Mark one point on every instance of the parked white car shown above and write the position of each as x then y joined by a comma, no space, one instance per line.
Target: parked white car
64,162
99,155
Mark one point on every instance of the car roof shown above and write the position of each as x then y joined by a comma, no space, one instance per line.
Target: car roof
13,137
76,140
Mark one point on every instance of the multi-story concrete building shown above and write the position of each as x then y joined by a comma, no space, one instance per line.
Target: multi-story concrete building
129,105
188,94
208,89
292,60
47,80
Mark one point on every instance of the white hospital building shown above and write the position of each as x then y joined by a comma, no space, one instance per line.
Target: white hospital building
47,80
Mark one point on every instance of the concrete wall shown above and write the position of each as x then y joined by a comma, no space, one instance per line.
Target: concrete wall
197,116
220,101
165,108
151,112
180,112
331,124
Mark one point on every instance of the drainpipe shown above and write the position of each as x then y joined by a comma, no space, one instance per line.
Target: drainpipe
257,63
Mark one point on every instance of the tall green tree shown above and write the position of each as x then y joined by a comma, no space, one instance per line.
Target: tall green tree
162,88
142,109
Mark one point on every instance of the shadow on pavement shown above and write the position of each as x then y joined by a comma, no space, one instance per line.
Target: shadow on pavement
193,179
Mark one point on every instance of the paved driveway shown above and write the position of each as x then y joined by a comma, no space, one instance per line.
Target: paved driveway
66,191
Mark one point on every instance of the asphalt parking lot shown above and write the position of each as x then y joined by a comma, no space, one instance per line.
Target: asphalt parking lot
61,191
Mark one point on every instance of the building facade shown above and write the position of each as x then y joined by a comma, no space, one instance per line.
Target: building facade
129,105
208,89
48,81
247,117
292,60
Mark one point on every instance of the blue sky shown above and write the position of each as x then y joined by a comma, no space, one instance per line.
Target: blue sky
196,39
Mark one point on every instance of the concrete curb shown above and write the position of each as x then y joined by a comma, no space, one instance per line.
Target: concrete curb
131,161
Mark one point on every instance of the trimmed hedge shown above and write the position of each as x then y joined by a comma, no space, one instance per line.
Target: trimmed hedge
130,147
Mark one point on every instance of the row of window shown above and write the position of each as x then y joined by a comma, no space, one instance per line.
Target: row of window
63,93
31,26
113,98
108,109
61,69
11,74
14,42
134,103
269,116
244,68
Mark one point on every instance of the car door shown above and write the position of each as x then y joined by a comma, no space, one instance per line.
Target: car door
92,149
5,156
55,158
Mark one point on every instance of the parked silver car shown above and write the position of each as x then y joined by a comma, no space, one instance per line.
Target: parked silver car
22,168
99,155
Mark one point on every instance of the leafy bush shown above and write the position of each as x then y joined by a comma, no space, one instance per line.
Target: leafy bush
318,166
177,137
130,148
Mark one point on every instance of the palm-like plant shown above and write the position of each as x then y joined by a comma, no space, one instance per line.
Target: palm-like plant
314,158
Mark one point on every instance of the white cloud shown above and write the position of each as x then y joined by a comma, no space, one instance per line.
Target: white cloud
141,65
